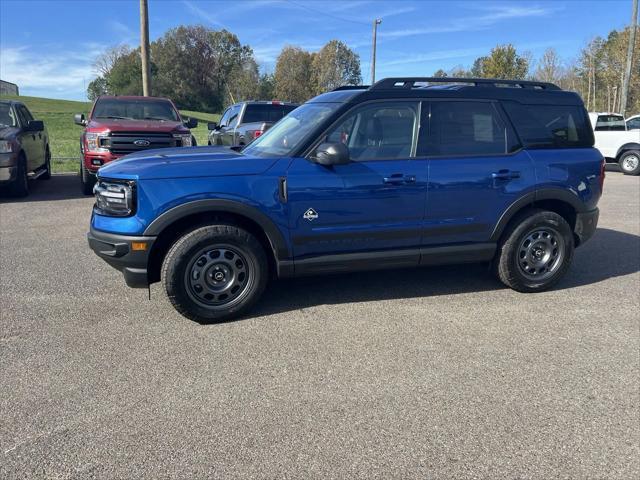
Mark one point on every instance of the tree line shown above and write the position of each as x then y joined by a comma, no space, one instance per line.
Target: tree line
205,70
597,74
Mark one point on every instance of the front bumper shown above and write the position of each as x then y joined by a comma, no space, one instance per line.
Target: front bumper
586,224
8,174
117,251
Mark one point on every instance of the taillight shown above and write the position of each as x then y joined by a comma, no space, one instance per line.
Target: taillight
602,169
257,133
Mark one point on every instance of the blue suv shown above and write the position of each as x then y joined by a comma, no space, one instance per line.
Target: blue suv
405,173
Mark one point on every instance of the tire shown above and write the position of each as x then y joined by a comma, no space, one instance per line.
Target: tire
20,186
536,251
194,143
215,273
630,162
47,165
87,181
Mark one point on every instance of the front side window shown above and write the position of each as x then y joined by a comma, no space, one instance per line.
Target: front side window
464,128
26,115
378,131
233,116
225,117
123,109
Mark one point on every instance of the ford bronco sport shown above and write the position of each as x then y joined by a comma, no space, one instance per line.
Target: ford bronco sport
407,172
120,125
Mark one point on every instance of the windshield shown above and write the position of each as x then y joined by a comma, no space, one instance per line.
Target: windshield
7,117
291,131
158,110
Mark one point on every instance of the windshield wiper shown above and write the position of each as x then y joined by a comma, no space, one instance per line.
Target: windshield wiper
156,118
115,117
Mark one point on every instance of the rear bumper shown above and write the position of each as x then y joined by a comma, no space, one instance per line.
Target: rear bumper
586,224
116,251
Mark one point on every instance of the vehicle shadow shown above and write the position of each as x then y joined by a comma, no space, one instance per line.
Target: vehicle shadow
60,187
608,254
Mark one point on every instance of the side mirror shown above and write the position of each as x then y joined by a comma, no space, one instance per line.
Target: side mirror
212,126
191,123
78,119
332,154
35,126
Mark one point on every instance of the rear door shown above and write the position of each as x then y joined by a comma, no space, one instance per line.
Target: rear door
374,203
476,170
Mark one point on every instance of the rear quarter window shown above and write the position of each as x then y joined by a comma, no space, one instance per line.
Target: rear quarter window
550,126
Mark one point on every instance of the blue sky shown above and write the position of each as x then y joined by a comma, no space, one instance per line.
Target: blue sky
47,47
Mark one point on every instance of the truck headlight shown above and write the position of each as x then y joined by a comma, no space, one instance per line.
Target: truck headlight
92,141
184,138
5,146
114,197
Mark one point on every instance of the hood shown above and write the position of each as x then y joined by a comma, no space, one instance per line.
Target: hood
185,162
135,125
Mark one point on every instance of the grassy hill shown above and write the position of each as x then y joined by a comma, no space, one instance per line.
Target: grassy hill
65,135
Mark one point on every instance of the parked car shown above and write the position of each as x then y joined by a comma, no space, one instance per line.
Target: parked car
400,174
243,122
617,143
633,123
118,126
24,148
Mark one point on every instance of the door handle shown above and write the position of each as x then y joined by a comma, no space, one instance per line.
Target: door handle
505,175
399,179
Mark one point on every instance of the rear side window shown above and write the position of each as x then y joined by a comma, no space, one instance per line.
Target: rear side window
265,112
464,128
550,126
610,122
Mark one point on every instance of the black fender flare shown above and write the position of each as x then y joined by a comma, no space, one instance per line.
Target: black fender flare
530,199
275,237
626,147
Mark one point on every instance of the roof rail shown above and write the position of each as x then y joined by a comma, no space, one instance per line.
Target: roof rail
409,82
351,87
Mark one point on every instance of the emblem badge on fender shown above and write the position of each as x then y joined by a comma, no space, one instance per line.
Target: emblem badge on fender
310,215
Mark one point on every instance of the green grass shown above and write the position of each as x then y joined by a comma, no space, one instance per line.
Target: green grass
64,135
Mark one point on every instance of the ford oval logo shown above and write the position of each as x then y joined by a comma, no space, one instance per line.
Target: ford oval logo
142,142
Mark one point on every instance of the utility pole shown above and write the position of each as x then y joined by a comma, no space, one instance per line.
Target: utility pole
144,48
632,43
376,22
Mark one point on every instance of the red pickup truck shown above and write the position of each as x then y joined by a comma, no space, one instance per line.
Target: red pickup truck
118,126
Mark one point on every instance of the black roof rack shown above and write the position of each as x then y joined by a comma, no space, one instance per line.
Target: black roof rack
351,87
409,83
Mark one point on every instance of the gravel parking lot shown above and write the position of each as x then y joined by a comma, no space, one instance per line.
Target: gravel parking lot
433,373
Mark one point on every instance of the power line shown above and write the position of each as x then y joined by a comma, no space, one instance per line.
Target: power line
336,17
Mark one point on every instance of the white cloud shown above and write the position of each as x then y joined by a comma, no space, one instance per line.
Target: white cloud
202,14
48,70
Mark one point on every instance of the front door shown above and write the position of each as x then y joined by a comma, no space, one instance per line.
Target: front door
476,170
31,141
373,204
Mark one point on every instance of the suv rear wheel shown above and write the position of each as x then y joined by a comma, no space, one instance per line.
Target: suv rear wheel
215,273
630,162
536,251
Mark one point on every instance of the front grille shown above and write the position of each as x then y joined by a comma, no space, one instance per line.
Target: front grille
122,143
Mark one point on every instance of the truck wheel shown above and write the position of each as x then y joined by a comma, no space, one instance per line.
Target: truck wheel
194,142
20,186
536,251
87,181
47,165
630,162
215,273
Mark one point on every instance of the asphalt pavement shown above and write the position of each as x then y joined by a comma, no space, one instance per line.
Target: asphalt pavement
431,373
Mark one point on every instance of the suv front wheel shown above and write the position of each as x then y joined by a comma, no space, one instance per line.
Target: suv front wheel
215,273
536,251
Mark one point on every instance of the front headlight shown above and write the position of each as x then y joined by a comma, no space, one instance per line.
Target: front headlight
5,146
92,141
114,197
184,138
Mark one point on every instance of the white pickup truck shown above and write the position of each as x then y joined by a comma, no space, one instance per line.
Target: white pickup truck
616,143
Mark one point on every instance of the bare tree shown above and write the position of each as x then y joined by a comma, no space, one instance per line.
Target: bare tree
103,64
